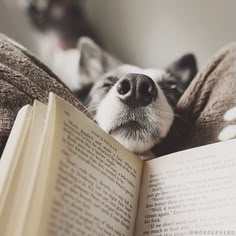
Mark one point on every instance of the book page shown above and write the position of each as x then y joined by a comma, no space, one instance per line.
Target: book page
192,192
93,183
23,182
41,172
11,157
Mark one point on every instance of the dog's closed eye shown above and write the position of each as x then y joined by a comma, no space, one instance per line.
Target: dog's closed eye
172,90
107,85
168,85
108,82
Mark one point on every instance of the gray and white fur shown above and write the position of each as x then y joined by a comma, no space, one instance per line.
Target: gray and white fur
134,105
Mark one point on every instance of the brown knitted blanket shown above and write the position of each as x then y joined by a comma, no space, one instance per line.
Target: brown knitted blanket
24,78
200,112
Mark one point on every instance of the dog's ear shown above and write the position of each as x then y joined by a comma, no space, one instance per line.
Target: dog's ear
94,61
181,73
184,69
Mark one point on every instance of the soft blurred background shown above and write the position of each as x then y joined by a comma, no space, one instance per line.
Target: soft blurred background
148,33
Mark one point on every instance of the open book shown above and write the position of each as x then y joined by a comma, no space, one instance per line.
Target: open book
60,174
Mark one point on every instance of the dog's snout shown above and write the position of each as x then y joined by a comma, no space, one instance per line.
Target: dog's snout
136,90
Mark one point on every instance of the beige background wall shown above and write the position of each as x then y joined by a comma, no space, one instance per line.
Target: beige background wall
153,32
15,24
145,32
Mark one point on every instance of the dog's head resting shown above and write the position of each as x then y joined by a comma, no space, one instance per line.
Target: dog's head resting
134,105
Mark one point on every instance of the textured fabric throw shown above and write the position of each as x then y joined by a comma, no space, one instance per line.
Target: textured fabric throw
24,78
206,113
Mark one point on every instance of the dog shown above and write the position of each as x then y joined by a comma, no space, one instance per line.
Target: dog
64,18
58,24
134,105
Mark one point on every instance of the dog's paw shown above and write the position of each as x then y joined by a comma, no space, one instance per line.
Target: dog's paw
229,131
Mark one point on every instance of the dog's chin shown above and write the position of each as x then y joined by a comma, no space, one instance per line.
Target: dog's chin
131,135
129,129
133,143
136,128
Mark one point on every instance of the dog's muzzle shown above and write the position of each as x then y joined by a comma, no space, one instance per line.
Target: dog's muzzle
136,90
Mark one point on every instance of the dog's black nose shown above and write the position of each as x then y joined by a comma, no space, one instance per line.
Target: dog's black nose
136,90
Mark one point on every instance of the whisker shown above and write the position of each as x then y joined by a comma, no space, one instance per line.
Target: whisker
94,105
177,116
92,108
